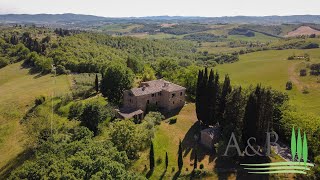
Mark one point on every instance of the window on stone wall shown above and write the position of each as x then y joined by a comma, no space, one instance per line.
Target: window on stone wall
159,93
148,101
180,93
173,95
152,95
173,102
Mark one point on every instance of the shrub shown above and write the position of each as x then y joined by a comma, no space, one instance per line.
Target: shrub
76,110
4,62
289,85
303,72
305,90
311,46
39,100
172,120
291,58
93,114
312,36
61,70
154,117
159,161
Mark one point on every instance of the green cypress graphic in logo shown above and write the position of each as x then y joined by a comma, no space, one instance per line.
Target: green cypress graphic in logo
293,144
305,149
299,148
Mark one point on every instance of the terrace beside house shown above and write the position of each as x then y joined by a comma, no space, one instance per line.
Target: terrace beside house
163,94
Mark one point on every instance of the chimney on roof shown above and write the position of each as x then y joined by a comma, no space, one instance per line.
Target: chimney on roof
166,84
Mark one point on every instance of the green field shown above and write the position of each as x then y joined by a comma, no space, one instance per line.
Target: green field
120,28
258,37
18,89
271,68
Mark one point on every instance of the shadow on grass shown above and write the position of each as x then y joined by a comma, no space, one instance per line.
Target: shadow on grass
244,175
14,163
176,175
228,165
170,114
163,174
190,144
149,174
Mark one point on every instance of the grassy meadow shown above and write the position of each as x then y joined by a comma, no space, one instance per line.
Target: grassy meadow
167,139
18,90
271,68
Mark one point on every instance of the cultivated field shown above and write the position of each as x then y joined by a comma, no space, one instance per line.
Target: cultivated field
303,30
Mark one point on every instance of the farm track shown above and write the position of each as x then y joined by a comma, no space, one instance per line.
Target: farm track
293,76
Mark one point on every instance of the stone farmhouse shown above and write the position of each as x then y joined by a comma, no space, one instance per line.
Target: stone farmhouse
165,95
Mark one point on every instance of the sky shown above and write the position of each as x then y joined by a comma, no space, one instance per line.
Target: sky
138,8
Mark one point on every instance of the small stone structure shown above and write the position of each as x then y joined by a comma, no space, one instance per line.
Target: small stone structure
210,136
163,94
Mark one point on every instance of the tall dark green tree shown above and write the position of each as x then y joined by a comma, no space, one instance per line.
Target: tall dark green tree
208,92
198,96
135,64
116,79
151,156
226,89
167,160
180,159
96,84
250,118
204,99
210,96
258,115
93,113
234,112
215,99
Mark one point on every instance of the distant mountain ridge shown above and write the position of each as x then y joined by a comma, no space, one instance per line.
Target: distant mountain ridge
78,18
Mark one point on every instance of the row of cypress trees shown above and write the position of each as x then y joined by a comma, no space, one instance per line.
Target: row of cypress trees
211,97
258,117
246,114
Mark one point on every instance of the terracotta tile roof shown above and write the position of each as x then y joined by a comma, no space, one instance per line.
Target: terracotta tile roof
155,86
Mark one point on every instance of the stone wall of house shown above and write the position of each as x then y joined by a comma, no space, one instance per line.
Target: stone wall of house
163,99
173,100
129,101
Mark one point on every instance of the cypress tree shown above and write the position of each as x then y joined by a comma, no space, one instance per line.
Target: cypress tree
167,160
226,89
250,118
216,94
96,83
195,164
258,115
198,95
234,112
204,98
211,99
180,160
151,156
